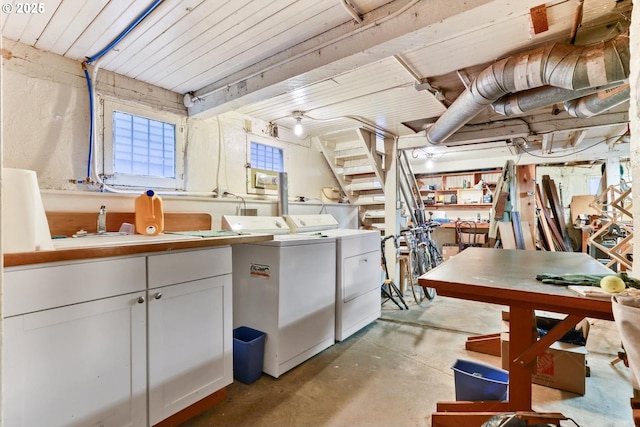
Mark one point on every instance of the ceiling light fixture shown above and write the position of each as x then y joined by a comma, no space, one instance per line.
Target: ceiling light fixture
189,99
430,164
298,130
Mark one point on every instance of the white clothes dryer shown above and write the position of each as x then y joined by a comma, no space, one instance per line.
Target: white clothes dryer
286,288
358,271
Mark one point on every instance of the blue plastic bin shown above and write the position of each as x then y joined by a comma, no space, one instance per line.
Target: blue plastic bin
248,354
477,382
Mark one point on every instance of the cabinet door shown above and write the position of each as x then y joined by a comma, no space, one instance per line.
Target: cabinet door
78,365
190,344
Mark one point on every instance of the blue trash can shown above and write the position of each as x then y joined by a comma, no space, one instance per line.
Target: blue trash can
476,382
248,354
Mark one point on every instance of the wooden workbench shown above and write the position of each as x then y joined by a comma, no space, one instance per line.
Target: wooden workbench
507,277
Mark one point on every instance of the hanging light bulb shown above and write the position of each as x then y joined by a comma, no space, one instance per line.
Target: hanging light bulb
429,165
298,130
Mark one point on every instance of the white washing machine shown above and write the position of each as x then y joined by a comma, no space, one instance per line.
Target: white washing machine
285,288
357,270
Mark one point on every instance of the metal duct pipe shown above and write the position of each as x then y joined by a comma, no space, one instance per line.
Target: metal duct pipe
559,65
597,103
539,97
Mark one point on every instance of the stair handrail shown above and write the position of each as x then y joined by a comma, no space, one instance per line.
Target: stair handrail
409,185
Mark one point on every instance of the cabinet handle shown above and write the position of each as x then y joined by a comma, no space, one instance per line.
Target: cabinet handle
158,295
140,300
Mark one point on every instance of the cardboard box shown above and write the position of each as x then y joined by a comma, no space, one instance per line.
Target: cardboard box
562,366
449,251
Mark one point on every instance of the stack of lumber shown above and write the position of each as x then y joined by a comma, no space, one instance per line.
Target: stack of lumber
552,227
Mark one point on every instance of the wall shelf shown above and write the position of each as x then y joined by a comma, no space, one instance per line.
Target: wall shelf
457,190
469,206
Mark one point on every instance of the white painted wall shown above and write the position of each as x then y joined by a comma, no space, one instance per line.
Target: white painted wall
46,129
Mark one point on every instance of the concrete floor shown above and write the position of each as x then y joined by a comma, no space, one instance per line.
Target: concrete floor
394,371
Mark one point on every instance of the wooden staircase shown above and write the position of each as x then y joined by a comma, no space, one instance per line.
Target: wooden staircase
360,167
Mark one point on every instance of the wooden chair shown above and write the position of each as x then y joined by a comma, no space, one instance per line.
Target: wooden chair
468,235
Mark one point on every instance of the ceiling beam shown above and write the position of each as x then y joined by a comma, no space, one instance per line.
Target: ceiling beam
544,124
575,138
398,26
496,157
547,143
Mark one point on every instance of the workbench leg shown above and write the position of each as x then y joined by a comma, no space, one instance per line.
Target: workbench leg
522,334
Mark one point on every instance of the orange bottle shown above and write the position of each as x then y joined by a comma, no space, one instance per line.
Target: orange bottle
148,214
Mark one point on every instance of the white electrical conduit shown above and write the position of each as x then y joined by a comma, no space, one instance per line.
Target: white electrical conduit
560,65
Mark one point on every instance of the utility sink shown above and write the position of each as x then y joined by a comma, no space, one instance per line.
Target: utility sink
117,239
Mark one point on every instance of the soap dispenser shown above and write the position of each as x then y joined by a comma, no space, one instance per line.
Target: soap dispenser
101,227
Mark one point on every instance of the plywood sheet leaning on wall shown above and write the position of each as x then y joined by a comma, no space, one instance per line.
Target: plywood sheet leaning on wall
551,237
582,204
556,209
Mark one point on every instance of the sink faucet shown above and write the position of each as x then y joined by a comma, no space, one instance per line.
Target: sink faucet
102,220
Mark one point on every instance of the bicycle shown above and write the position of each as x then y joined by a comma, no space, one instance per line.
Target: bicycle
424,254
388,287
433,248
416,263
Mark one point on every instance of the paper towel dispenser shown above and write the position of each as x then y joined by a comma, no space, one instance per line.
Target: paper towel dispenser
24,221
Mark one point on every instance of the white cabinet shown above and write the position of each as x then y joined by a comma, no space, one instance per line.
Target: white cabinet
116,342
74,351
190,328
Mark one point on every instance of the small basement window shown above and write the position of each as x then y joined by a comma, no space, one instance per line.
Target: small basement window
266,162
266,157
142,148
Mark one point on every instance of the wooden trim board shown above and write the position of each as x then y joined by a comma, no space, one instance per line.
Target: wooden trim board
68,223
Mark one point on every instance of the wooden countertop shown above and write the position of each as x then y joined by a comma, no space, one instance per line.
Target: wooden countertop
27,258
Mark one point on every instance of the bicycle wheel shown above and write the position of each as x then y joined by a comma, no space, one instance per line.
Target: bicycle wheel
429,293
420,265
435,254
435,259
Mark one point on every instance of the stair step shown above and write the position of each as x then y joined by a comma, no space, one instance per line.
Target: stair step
377,213
377,226
355,170
348,145
350,153
370,200
359,184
